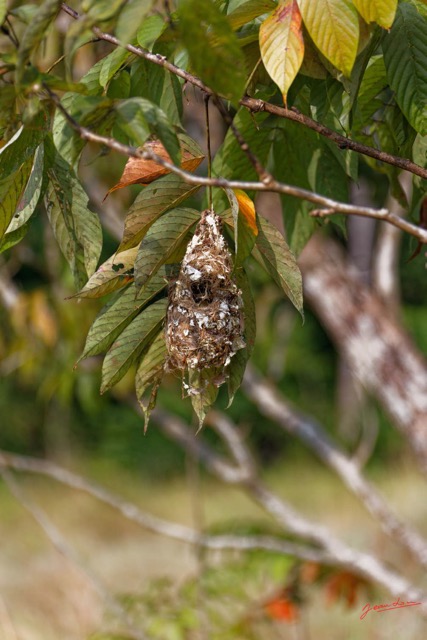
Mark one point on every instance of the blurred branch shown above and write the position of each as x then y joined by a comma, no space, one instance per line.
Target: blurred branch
363,564
377,349
332,206
273,405
232,437
156,525
255,104
61,545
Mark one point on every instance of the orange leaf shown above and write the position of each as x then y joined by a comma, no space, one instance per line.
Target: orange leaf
247,209
343,585
282,608
139,171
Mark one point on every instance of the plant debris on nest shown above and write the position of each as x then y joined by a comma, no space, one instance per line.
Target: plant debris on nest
204,325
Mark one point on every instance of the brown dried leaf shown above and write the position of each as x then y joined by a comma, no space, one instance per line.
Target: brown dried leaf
139,171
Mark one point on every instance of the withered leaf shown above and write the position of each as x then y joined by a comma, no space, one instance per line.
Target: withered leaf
139,171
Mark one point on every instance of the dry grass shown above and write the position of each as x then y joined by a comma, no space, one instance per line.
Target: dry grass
44,596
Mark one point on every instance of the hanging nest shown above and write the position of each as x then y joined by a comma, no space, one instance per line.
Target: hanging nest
204,325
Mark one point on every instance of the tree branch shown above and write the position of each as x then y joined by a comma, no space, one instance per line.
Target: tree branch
362,564
273,405
156,525
332,206
255,105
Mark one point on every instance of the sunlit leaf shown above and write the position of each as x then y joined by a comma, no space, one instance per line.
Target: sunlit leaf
213,48
380,11
279,261
334,28
120,312
160,196
161,241
113,274
240,13
139,171
282,44
31,195
405,57
129,345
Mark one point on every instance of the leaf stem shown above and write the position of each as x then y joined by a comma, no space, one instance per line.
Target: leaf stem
208,145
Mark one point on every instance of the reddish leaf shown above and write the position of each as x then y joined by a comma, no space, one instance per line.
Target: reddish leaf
343,586
139,171
247,209
282,608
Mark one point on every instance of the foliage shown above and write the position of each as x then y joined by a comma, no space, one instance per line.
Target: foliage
356,67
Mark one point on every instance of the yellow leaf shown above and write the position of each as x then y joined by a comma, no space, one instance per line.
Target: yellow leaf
334,28
282,45
247,209
380,11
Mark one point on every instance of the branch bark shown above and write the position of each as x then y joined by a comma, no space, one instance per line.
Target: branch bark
255,105
379,352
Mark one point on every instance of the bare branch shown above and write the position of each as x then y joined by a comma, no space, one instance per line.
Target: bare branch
358,562
156,525
255,105
278,187
273,405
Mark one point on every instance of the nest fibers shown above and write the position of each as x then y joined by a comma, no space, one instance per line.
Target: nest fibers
204,326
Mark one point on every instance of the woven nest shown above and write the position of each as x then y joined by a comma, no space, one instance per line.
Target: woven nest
204,326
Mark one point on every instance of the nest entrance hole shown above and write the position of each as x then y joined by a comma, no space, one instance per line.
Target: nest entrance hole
201,292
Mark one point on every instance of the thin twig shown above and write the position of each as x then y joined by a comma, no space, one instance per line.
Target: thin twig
278,187
255,105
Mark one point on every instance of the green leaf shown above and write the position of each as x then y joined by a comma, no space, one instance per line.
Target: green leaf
11,190
373,82
279,261
101,10
111,64
304,159
334,28
22,146
234,204
3,10
113,274
130,18
132,122
34,34
149,375
150,30
120,312
213,48
131,342
165,193
158,85
203,391
405,57
76,228
237,366
31,195
11,239
146,117
282,45
163,239
240,13
380,11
